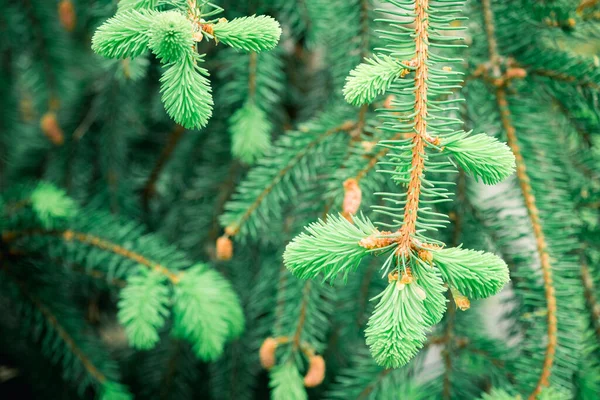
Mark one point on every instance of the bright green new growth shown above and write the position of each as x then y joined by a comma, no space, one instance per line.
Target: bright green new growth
206,311
51,204
114,391
255,33
125,5
329,247
171,36
435,301
474,273
143,308
250,130
124,35
372,78
396,330
186,92
185,88
286,383
482,156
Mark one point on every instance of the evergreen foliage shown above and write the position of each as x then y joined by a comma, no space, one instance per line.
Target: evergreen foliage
316,199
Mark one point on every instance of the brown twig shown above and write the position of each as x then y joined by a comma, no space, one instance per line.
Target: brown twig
95,241
411,208
150,186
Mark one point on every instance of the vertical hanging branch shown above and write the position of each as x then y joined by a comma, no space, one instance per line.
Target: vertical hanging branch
528,196
413,299
411,208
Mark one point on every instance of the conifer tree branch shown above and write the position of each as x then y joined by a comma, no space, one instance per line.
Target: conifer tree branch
562,76
233,228
411,208
95,241
367,390
63,334
302,317
529,199
592,302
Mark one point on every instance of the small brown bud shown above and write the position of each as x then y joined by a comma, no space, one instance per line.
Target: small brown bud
51,129
516,73
425,255
197,36
352,197
316,372
406,279
224,248
462,302
66,15
446,68
393,276
267,353
368,146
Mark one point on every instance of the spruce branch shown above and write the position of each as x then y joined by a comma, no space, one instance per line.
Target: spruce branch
411,252
250,131
206,312
482,156
530,204
339,247
186,92
590,297
143,309
126,35
396,330
286,383
60,340
475,273
373,78
255,33
253,200
170,36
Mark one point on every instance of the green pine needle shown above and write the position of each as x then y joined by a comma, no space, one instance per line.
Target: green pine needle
186,92
287,383
114,391
431,281
126,5
482,156
171,36
124,35
328,247
476,274
51,204
143,309
371,79
206,311
255,33
396,330
250,130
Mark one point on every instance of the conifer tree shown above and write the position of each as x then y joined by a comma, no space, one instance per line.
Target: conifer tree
276,199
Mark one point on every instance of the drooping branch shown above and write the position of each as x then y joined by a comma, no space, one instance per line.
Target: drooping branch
411,208
95,241
529,199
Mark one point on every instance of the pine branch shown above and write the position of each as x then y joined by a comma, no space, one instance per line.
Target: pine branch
530,203
592,303
243,208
